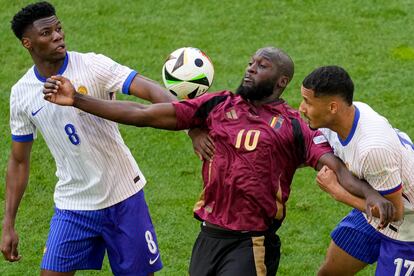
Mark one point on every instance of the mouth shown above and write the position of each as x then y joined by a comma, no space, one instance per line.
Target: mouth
305,118
311,125
61,48
308,121
247,80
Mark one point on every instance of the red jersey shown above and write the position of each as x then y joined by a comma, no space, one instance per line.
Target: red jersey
247,183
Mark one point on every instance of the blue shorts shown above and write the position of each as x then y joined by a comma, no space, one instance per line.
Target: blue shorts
78,239
357,237
396,257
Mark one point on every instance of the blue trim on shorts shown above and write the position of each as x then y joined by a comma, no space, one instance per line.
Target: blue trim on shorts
357,237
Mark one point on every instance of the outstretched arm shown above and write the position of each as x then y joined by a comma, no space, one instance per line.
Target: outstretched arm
149,90
374,204
59,90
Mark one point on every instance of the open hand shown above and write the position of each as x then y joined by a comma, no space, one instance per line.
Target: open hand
59,90
203,145
379,204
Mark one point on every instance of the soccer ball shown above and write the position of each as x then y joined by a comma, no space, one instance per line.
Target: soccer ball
187,73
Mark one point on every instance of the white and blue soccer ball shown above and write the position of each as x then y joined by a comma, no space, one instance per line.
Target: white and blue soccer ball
188,73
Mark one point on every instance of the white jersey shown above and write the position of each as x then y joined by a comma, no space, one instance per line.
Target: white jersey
94,166
376,152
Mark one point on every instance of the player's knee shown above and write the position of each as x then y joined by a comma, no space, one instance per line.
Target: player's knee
329,270
323,271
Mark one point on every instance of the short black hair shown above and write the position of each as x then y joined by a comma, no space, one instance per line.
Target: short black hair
27,15
330,80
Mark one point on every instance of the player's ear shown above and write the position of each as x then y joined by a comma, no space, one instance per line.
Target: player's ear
26,43
333,107
283,81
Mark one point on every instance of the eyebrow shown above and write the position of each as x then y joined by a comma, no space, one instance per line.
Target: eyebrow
266,57
50,26
45,28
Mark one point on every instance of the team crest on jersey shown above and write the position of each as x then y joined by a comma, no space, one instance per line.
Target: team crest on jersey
232,114
276,122
82,90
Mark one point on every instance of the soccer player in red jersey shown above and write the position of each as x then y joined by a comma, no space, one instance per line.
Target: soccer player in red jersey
259,143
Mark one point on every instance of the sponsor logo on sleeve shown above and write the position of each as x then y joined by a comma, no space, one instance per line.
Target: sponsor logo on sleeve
319,140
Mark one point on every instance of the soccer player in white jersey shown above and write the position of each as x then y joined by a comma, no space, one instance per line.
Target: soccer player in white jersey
99,180
373,151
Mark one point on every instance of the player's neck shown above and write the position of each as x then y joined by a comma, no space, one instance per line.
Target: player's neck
47,68
271,99
345,121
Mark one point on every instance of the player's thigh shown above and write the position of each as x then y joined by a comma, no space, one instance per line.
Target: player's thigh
223,252
130,238
272,253
357,237
396,258
222,256
241,261
340,263
206,253
254,256
73,242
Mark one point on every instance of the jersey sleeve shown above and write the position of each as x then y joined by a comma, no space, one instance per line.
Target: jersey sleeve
113,76
193,113
380,168
316,145
22,129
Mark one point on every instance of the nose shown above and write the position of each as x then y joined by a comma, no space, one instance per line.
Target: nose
252,68
57,35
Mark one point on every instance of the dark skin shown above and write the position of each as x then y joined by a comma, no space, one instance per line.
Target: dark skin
260,68
44,40
263,66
